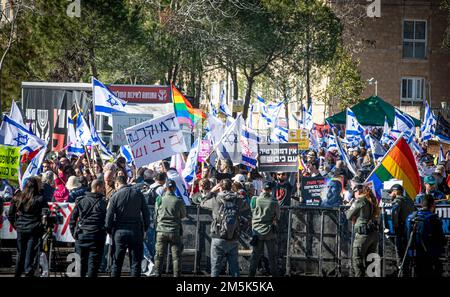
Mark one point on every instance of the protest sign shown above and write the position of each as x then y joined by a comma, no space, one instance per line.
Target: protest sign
205,149
274,157
301,137
311,189
9,162
155,140
121,121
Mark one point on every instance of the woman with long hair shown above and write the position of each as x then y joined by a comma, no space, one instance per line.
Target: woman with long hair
25,214
364,214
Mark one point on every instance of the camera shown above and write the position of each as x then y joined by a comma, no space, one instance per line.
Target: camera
50,218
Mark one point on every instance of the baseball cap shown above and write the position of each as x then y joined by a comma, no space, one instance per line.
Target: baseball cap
240,178
170,183
268,185
429,180
396,187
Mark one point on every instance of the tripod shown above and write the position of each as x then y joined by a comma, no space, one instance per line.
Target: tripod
48,242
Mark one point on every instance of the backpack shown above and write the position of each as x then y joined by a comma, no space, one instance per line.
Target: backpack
423,234
228,219
151,195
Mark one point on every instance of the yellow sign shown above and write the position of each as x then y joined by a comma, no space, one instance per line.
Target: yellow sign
9,162
300,136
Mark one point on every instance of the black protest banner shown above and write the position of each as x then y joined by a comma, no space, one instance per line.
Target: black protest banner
274,157
443,129
311,188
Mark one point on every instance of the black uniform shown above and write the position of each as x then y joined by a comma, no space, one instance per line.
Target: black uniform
127,220
28,224
91,210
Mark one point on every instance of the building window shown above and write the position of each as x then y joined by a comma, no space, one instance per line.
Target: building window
412,89
414,39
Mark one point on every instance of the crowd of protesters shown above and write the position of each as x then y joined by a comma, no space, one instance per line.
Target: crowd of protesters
77,179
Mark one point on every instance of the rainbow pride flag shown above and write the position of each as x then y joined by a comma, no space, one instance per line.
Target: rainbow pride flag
184,111
398,163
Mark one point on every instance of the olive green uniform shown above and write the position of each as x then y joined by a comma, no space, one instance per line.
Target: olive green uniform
169,210
265,213
366,237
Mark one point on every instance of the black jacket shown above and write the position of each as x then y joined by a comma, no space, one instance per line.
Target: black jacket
47,192
127,209
94,222
27,220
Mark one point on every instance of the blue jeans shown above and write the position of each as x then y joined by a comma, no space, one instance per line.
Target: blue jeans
221,249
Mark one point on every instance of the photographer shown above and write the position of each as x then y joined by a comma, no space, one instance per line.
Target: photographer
87,224
25,214
265,216
364,214
428,240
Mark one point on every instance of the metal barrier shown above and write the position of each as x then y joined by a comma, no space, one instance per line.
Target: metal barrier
311,241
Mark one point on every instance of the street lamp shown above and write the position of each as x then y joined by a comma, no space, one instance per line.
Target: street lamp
372,81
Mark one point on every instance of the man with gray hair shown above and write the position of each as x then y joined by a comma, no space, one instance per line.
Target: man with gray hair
48,185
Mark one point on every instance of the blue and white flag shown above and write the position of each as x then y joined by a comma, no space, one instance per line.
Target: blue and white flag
298,122
229,146
386,138
249,144
313,142
18,135
191,163
83,131
97,140
105,101
181,190
403,123
74,145
378,151
441,158
331,144
125,151
354,132
223,107
15,114
34,167
345,157
250,118
269,112
215,127
309,124
279,134
428,124
213,110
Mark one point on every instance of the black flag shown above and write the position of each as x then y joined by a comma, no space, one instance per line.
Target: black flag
443,129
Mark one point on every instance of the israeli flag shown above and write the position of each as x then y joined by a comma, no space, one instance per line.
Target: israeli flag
331,142
181,190
213,110
249,144
269,112
414,145
378,150
250,118
83,131
428,124
15,114
441,155
215,127
191,163
125,151
74,145
403,123
298,122
354,132
313,144
386,138
97,140
309,124
105,101
34,167
15,134
345,157
279,134
223,107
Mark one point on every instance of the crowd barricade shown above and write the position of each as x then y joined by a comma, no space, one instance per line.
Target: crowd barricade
311,240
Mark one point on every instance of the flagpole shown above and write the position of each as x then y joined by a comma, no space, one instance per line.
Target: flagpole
390,149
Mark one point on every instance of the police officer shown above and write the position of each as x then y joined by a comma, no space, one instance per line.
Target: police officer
265,217
364,214
127,220
90,213
169,211
430,188
402,207
428,240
